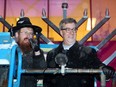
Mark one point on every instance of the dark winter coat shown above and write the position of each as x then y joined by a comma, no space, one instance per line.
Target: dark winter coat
30,61
80,57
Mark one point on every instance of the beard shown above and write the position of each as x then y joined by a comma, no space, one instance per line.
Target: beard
25,45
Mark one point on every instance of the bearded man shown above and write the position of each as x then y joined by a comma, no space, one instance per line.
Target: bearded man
32,55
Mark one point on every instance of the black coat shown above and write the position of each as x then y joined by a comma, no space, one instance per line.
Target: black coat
78,57
30,61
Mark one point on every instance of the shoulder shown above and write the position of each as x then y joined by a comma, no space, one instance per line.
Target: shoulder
51,51
88,49
57,49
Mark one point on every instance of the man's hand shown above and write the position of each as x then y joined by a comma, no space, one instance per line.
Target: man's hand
108,71
34,44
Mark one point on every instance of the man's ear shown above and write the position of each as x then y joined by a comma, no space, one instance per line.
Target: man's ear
61,33
16,34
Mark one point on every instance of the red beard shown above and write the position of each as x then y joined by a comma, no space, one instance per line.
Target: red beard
25,46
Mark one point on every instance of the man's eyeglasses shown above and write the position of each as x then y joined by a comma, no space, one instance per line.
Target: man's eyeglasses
27,33
69,29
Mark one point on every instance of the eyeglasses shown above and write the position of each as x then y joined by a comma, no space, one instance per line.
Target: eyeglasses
27,33
69,29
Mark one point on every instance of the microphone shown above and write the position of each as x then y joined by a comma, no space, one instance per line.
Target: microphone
34,44
61,59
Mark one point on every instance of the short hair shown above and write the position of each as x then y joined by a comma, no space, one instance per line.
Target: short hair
65,21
